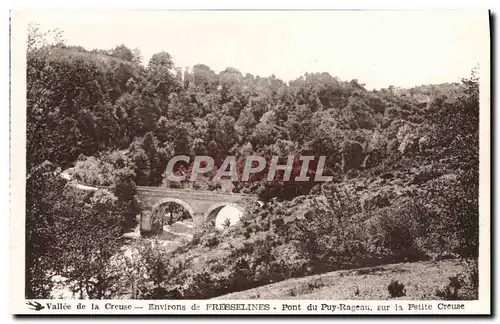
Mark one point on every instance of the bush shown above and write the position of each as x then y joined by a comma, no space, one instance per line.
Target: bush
94,171
452,205
396,289
470,280
450,292
464,286
316,284
211,240
392,233
199,285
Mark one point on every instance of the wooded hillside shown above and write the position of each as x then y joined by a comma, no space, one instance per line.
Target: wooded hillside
119,121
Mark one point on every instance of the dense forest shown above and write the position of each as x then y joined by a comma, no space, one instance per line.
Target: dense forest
404,161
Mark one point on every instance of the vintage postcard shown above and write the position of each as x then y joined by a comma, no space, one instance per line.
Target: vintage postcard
250,162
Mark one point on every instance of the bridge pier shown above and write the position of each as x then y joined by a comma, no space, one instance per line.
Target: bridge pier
198,220
145,221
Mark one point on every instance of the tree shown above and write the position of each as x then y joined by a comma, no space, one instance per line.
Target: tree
177,135
38,38
245,124
324,232
43,189
94,171
158,157
70,233
358,114
125,190
204,76
140,163
457,131
161,61
88,234
126,54
226,135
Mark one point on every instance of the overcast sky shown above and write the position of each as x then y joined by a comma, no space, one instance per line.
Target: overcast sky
379,48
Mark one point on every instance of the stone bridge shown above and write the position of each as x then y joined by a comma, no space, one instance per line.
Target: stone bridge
202,206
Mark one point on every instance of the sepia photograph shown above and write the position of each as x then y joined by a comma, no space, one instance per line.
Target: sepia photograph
325,159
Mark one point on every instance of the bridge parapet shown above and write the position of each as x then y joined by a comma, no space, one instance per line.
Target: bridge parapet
193,194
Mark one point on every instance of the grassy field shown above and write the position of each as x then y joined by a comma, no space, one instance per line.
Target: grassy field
421,279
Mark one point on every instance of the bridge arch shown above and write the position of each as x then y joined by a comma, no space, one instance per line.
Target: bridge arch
178,209
212,212
180,202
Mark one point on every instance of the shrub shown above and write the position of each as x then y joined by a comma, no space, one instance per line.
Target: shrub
211,240
198,285
455,203
470,280
94,171
463,286
196,239
450,292
318,283
392,231
155,261
396,289
227,223
377,200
